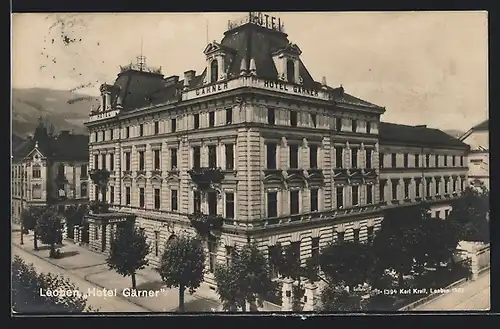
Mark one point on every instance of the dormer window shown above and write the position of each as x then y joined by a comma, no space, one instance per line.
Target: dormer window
290,70
214,71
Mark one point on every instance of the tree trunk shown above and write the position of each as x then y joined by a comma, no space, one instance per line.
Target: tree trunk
134,284
35,242
52,252
181,298
22,233
401,280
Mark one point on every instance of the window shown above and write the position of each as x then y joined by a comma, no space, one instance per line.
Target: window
196,121
211,119
454,184
157,127
313,119
96,233
157,198
212,251
394,189
196,157
393,160
141,197
405,160
453,161
295,251
446,161
381,160
314,200
83,190
290,71
103,161
438,214
355,195
294,156
84,172
461,161
313,156
315,249
103,133
229,156
462,184
111,162
340,197
36,171
173,158
438,181
95,137
368,158
407,188
272,204
368,127
229,116
427,160
96,164
212,156
212,203
355,233
196,201
381,191
339,157
354,158
156,159
141,160
446,186
417,188
173,200
294,202
293,118
369,194
417,160
173,125
271,119
112,194
127,161
428,188
340,237
436,160
214,71
273,254
157,243
60,169
229,205
338,124
127,195
354,125
141,130
127,132
271,155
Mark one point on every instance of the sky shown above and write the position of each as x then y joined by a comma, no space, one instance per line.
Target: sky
423,67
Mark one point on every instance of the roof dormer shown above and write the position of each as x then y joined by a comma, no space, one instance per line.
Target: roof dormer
218,57
109,95
287,63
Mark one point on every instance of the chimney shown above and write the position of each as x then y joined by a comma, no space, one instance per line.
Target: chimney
323,81
188,77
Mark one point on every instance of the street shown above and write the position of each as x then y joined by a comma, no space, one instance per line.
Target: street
104,304
475,296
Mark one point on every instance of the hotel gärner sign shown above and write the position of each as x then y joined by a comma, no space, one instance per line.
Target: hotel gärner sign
299,90
211,89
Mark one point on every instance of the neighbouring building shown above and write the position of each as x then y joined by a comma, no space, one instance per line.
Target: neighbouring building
300,160
49,169
479,155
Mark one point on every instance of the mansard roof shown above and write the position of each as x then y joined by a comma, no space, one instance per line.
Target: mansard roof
416,135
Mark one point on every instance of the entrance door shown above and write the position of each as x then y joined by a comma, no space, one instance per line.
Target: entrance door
103,249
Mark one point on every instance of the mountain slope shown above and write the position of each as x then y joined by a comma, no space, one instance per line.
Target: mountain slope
66,110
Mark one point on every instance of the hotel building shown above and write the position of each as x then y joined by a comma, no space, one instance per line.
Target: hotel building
49,170
479,155
301,162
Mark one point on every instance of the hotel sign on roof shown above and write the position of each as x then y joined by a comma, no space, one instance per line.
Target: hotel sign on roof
245,82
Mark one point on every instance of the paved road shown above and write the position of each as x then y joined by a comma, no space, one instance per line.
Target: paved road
474,295
104,304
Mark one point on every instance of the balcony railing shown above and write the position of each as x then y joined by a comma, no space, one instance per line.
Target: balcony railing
206,177
206,224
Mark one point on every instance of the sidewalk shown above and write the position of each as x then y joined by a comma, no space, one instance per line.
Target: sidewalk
92,267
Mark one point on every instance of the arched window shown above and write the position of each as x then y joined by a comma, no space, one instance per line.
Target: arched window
290,70
214,70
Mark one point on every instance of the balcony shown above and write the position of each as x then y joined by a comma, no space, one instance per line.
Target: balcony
140,173
418,199
205,224
206,177
156,173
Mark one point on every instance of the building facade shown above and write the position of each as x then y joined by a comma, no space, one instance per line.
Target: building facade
299,160
49,170
479,155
